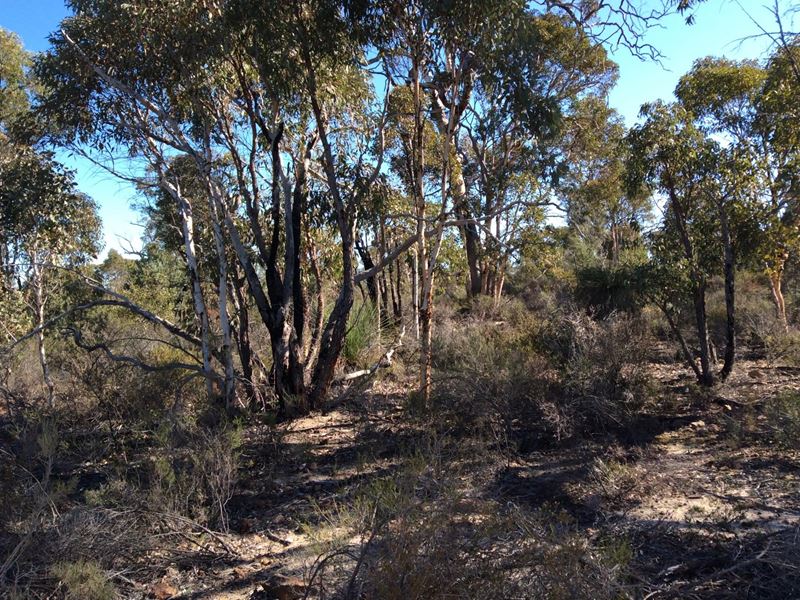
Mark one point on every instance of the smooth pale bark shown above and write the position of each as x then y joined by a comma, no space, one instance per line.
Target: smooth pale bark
187,225
229,382
39,301
422,272
775,275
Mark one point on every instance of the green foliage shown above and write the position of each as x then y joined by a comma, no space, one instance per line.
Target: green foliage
593,188
42,213
783,418
722,94
14,81
85,581
608,290
362,335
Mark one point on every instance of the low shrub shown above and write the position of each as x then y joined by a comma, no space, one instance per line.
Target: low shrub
530,382
84,580
414,535
363,335
196,479
783,419
601,365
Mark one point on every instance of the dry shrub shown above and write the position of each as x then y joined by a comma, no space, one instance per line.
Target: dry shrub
45,525
758,326
196,478
783,419
490,381
531,381
84,581
440,554
602,367
416,536
52,546
617,482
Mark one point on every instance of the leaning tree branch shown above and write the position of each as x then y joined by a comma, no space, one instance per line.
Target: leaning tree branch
174,329
77,337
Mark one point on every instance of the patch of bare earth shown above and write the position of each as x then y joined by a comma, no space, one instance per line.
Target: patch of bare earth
322,457
708,507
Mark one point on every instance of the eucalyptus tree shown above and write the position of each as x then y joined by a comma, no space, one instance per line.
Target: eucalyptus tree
777,120
671,157
597,204
275,105
503,72
534,76
15,81
266,120
721,97
45,224
430,50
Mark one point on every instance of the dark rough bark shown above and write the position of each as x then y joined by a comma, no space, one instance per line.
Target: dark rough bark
469,233
366,259
687,354
699,285
243,333
730,295
333,336
701,321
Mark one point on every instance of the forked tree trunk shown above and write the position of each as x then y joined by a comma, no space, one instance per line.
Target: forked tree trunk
332,340
701,321
698,282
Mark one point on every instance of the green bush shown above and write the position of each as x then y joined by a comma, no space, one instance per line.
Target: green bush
608,290
783,418
84,581
362,335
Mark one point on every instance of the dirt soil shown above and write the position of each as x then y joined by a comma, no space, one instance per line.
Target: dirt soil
706,504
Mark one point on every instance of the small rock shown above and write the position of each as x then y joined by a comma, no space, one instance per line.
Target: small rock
697,424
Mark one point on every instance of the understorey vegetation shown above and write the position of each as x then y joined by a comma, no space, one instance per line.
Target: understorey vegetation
415,313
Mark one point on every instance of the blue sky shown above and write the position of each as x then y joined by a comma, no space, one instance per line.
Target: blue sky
719,28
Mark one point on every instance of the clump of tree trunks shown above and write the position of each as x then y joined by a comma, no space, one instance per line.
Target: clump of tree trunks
330,187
